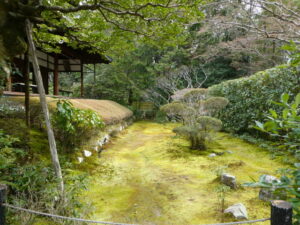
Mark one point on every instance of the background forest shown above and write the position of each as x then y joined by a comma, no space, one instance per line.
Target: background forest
234,40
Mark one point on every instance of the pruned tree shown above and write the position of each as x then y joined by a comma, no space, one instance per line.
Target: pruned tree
196,109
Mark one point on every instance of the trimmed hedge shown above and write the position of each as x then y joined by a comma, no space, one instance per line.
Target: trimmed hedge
250,97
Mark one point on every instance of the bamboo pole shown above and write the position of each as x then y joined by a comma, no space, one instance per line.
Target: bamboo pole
38,76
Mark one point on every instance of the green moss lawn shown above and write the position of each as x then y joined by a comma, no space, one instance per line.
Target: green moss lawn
149,176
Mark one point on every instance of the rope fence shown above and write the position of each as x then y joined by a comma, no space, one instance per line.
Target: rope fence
111,223
281,213
62,217
241,222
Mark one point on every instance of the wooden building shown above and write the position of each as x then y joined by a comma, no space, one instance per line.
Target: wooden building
69,60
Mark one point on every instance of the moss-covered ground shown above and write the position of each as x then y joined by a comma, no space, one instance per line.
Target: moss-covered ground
149,176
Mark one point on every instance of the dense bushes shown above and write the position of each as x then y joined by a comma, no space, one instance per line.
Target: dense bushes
25,166
8,154
73,126
284,126
250,97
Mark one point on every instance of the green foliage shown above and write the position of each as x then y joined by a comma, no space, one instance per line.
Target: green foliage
208,123
34,186
215,104
174,109
219,69
194,134
288,185
194,95
250,97
110,28
8,154
73,126
294,51
147,73
124,80
160,117
284,126
100,27
195,109
199,132
26,168
222,192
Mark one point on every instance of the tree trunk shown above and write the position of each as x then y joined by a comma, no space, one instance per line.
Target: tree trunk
81,80
38,76
197,142
130,96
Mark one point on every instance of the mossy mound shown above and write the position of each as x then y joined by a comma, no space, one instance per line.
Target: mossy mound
110,111
157,179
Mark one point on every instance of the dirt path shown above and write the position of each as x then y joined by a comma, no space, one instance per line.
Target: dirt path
150,177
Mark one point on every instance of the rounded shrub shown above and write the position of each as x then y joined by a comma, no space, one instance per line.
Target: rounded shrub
196,110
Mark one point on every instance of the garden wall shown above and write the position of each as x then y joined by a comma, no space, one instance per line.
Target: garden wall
250,97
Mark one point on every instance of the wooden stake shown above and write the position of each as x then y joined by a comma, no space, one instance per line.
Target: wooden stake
44,105
281,213
3,190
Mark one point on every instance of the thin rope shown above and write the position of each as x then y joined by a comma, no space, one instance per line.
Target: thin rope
62,217
241,222
111,223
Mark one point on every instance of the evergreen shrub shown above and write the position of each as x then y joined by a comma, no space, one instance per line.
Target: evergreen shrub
251,97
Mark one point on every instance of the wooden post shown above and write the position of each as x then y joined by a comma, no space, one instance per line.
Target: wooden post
81,79
55,77
3,190
281,213
44,73
27,94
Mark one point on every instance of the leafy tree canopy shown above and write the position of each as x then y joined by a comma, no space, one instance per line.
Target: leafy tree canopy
98,24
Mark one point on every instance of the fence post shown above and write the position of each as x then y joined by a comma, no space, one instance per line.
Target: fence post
281,213
3,189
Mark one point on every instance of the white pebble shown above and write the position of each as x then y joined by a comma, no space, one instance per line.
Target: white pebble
212,155
87,153
80,159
